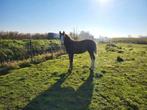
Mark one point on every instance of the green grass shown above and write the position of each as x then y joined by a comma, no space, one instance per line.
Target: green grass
20,49
48,86
140,40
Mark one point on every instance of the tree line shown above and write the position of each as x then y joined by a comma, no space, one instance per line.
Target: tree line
140,40
20,36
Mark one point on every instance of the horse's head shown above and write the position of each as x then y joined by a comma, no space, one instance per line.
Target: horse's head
62,36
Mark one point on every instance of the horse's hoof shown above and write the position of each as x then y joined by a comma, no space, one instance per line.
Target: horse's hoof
69,70
91,70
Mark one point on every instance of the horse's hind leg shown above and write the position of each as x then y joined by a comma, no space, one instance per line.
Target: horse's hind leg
92,56
71,62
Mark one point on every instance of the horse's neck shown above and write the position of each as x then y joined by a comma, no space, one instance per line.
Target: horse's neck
67,42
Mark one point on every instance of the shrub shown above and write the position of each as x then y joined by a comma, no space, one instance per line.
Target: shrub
24,63
119,59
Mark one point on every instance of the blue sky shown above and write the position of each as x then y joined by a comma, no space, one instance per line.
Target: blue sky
100,17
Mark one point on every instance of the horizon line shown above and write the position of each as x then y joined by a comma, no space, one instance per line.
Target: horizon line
99,35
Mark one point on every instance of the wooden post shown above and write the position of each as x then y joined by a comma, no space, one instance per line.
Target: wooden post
30,49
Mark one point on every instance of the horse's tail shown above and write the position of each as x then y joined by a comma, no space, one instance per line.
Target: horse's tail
95,48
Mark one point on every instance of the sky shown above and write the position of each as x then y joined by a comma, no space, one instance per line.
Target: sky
111,18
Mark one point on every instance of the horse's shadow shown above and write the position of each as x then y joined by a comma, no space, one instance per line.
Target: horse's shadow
59,98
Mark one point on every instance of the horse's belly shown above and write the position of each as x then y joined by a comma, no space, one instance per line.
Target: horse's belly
80,51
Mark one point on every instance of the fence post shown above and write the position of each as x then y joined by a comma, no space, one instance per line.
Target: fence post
30,49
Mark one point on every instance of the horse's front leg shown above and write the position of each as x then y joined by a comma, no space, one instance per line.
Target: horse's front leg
71,62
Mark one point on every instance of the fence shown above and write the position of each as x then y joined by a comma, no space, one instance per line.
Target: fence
14,50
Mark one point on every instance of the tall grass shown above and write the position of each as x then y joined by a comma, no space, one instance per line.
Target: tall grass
11,50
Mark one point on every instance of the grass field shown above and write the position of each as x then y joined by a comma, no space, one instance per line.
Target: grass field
115,84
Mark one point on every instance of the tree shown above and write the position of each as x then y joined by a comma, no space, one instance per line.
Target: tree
86,35
74,35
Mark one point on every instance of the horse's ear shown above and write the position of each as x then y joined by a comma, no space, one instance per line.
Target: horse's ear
63,32
59,32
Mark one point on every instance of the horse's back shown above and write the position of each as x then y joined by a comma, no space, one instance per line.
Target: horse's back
85,45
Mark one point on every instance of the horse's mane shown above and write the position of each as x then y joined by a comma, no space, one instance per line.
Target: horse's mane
68,37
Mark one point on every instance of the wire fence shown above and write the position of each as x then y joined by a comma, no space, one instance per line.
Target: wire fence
15,50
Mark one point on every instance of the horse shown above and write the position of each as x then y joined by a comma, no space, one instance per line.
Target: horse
75,47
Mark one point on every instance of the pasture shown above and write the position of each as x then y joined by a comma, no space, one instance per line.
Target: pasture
115,84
